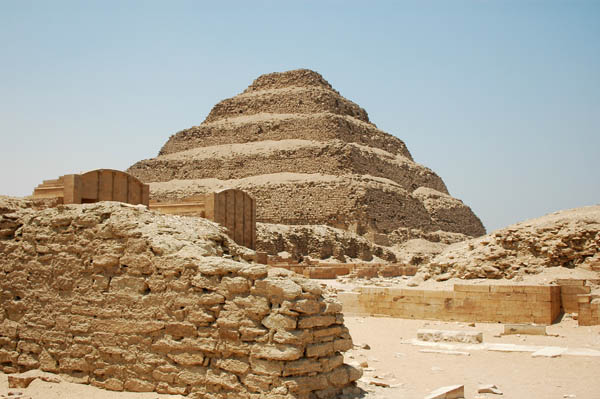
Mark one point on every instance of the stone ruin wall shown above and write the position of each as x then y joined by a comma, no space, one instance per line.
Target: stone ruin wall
318,242
92,291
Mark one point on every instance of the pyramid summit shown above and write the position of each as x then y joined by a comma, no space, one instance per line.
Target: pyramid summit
308,156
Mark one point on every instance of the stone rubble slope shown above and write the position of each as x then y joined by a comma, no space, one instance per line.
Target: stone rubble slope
319,242
569,239
294,122
128,299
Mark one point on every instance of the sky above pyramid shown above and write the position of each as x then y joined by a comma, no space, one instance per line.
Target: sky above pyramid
501,99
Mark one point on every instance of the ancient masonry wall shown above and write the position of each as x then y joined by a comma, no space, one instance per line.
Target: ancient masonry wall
233,209
327,270
473,303
333,159
83,295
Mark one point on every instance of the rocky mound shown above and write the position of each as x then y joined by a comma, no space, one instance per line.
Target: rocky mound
128,299
309,157
567,239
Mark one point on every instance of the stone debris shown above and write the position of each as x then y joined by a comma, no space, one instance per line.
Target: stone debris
549,351
448,392
529,329
24,379
544,350
378,383
469,337
568,238
445,352
15,395
489,388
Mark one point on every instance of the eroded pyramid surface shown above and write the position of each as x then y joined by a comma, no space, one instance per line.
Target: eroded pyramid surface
309,156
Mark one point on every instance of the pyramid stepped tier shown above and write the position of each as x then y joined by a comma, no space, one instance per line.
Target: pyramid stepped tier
267,126
308,156
298,100
357,203
235,161
296,78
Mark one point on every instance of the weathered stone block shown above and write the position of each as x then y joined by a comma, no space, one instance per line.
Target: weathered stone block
316,321
276,351
320,350
279,321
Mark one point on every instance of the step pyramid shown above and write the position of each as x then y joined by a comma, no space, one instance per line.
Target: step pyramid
309,157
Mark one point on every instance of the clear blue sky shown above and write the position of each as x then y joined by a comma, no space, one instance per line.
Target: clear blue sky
500,98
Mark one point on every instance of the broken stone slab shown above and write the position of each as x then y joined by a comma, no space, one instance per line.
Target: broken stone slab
489,388
445,352
23,380
512,348
448,392
549,351
466,337
582,352
528,329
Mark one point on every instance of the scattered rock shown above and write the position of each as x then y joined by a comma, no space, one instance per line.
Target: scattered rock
448,392
24,379
549,351
445,352
379,383
467,337
489,388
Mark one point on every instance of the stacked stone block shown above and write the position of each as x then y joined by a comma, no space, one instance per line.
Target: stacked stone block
126,299
473,303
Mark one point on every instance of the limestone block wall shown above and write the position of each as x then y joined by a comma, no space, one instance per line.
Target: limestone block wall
233,209
589,312
570,290
128,299
328,270
96,185
473,303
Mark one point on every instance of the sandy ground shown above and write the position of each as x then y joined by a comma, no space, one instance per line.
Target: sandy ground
412,374
67,390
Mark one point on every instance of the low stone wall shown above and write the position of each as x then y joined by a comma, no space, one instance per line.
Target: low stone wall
472,303
321,270
128,299
589,312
